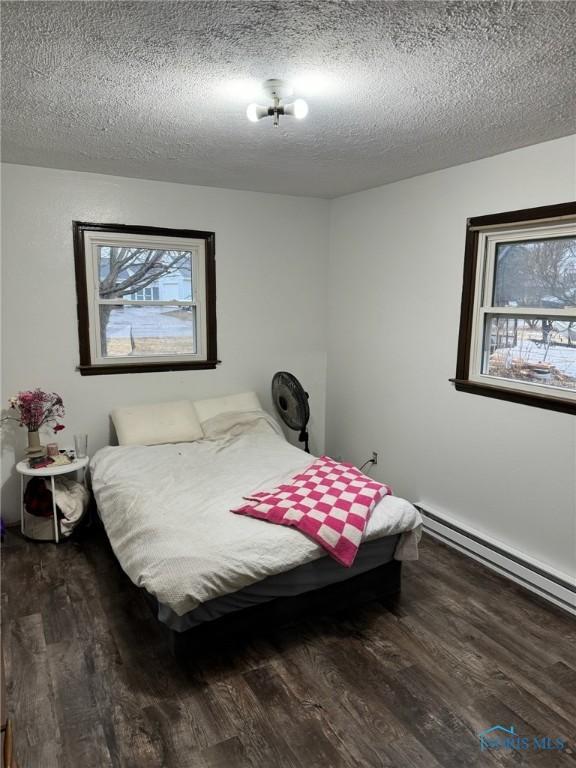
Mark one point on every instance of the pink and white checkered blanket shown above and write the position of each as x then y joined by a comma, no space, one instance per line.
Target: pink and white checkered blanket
329,501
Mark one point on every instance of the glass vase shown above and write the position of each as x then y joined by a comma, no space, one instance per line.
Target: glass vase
34,447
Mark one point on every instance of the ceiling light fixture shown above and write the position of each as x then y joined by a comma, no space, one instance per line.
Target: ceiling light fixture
277,90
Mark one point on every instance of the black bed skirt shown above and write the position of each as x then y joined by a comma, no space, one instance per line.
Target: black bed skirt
381,582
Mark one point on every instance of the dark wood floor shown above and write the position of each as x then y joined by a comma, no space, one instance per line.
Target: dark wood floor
90,683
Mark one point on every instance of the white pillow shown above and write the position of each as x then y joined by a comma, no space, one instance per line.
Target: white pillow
207,409
174,422
236,423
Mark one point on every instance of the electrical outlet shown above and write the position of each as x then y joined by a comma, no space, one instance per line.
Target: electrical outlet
374,458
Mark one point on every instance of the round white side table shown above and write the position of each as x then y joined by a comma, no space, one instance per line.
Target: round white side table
63,469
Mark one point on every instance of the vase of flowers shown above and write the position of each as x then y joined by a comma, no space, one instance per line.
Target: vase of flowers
36,409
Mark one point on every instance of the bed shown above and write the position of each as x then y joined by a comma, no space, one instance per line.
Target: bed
166,511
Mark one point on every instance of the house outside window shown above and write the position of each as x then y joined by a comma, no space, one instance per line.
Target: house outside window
518,317
146,298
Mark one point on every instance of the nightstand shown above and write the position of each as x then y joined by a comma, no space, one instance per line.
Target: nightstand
25,471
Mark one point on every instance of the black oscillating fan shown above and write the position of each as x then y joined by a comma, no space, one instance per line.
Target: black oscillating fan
291,401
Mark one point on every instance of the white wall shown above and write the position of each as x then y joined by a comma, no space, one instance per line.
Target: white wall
271,257
396,258
395,271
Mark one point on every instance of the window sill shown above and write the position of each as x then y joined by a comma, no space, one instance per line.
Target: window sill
562,404
98,370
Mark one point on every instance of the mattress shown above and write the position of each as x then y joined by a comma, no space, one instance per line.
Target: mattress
304,578
166,510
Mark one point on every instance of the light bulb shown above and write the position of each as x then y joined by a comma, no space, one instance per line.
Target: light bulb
256,112
300,109
252,113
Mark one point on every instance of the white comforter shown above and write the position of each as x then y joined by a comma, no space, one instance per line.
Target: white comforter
166,512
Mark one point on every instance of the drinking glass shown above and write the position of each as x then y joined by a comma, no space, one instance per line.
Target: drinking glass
81,446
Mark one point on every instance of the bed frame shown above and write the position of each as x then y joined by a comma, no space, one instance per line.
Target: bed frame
376,584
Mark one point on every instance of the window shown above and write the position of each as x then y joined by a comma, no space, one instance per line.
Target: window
147,294
518,318
146,298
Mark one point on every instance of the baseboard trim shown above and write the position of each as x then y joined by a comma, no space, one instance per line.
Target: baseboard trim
551,585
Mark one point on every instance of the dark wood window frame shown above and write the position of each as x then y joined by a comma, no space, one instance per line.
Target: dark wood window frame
87,367
462,382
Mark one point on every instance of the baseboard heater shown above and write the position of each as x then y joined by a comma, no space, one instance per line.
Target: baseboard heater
551,585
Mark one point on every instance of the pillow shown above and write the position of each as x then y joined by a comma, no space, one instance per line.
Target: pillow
236,423
174,422
207,409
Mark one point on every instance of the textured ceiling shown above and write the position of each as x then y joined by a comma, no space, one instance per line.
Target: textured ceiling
158,90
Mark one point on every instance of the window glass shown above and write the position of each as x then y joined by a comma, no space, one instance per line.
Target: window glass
147,331
125,271
536,351
536,273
